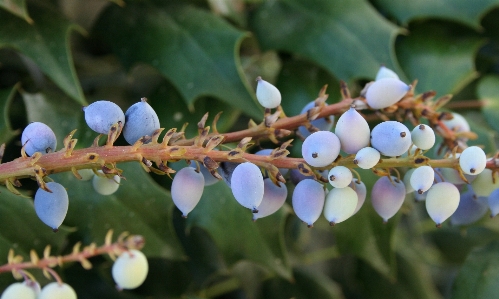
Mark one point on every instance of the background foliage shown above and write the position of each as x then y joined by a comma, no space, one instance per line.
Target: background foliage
192,57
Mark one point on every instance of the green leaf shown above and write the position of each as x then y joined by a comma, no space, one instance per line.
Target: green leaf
16,7
6,131
139,206
488,93
479,274
348,38
21,228
440,60
195,50
306,284
467,12
235,234
46,43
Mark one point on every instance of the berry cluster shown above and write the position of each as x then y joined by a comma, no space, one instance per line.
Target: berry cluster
258,180
129,270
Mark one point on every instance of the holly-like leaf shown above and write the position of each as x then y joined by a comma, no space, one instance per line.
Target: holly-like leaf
139,207
196,51
46,43
488,93
463,11
437,58
16,7
348,38
479,274
236,235
6,131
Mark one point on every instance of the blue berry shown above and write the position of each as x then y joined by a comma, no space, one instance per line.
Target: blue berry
140,120
38,137
102,115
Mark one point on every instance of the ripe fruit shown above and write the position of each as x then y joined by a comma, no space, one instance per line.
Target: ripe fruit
340,176
102,115
457,124
321,148
38,137
140,120
407,180
247,185
442,201
423,137
493,201
308,200
19,290
367,157
353,131
86,174
273,198
387,196
385,92
209,179
360,188
483,185
187,189
473,160
267,94
422,179
385,72
130,269
51,208
323,124
55,290
104,185
340,204
471,209
391,138
266,152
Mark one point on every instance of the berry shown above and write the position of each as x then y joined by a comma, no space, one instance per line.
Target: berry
209,179
55,290
187,189
102,115
493,202
140,120
308,200
340,176
105,185
442,201
273,198
367,158
353,131
247,185
51,208
340,204
86,174
267,152
321,148
323,124
483,185
391,138
267,94
470,209
360,188
130,269
422,179
385,92
385,72
473,160
387,196
423,137
407,180
38,137
457,124
18,290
